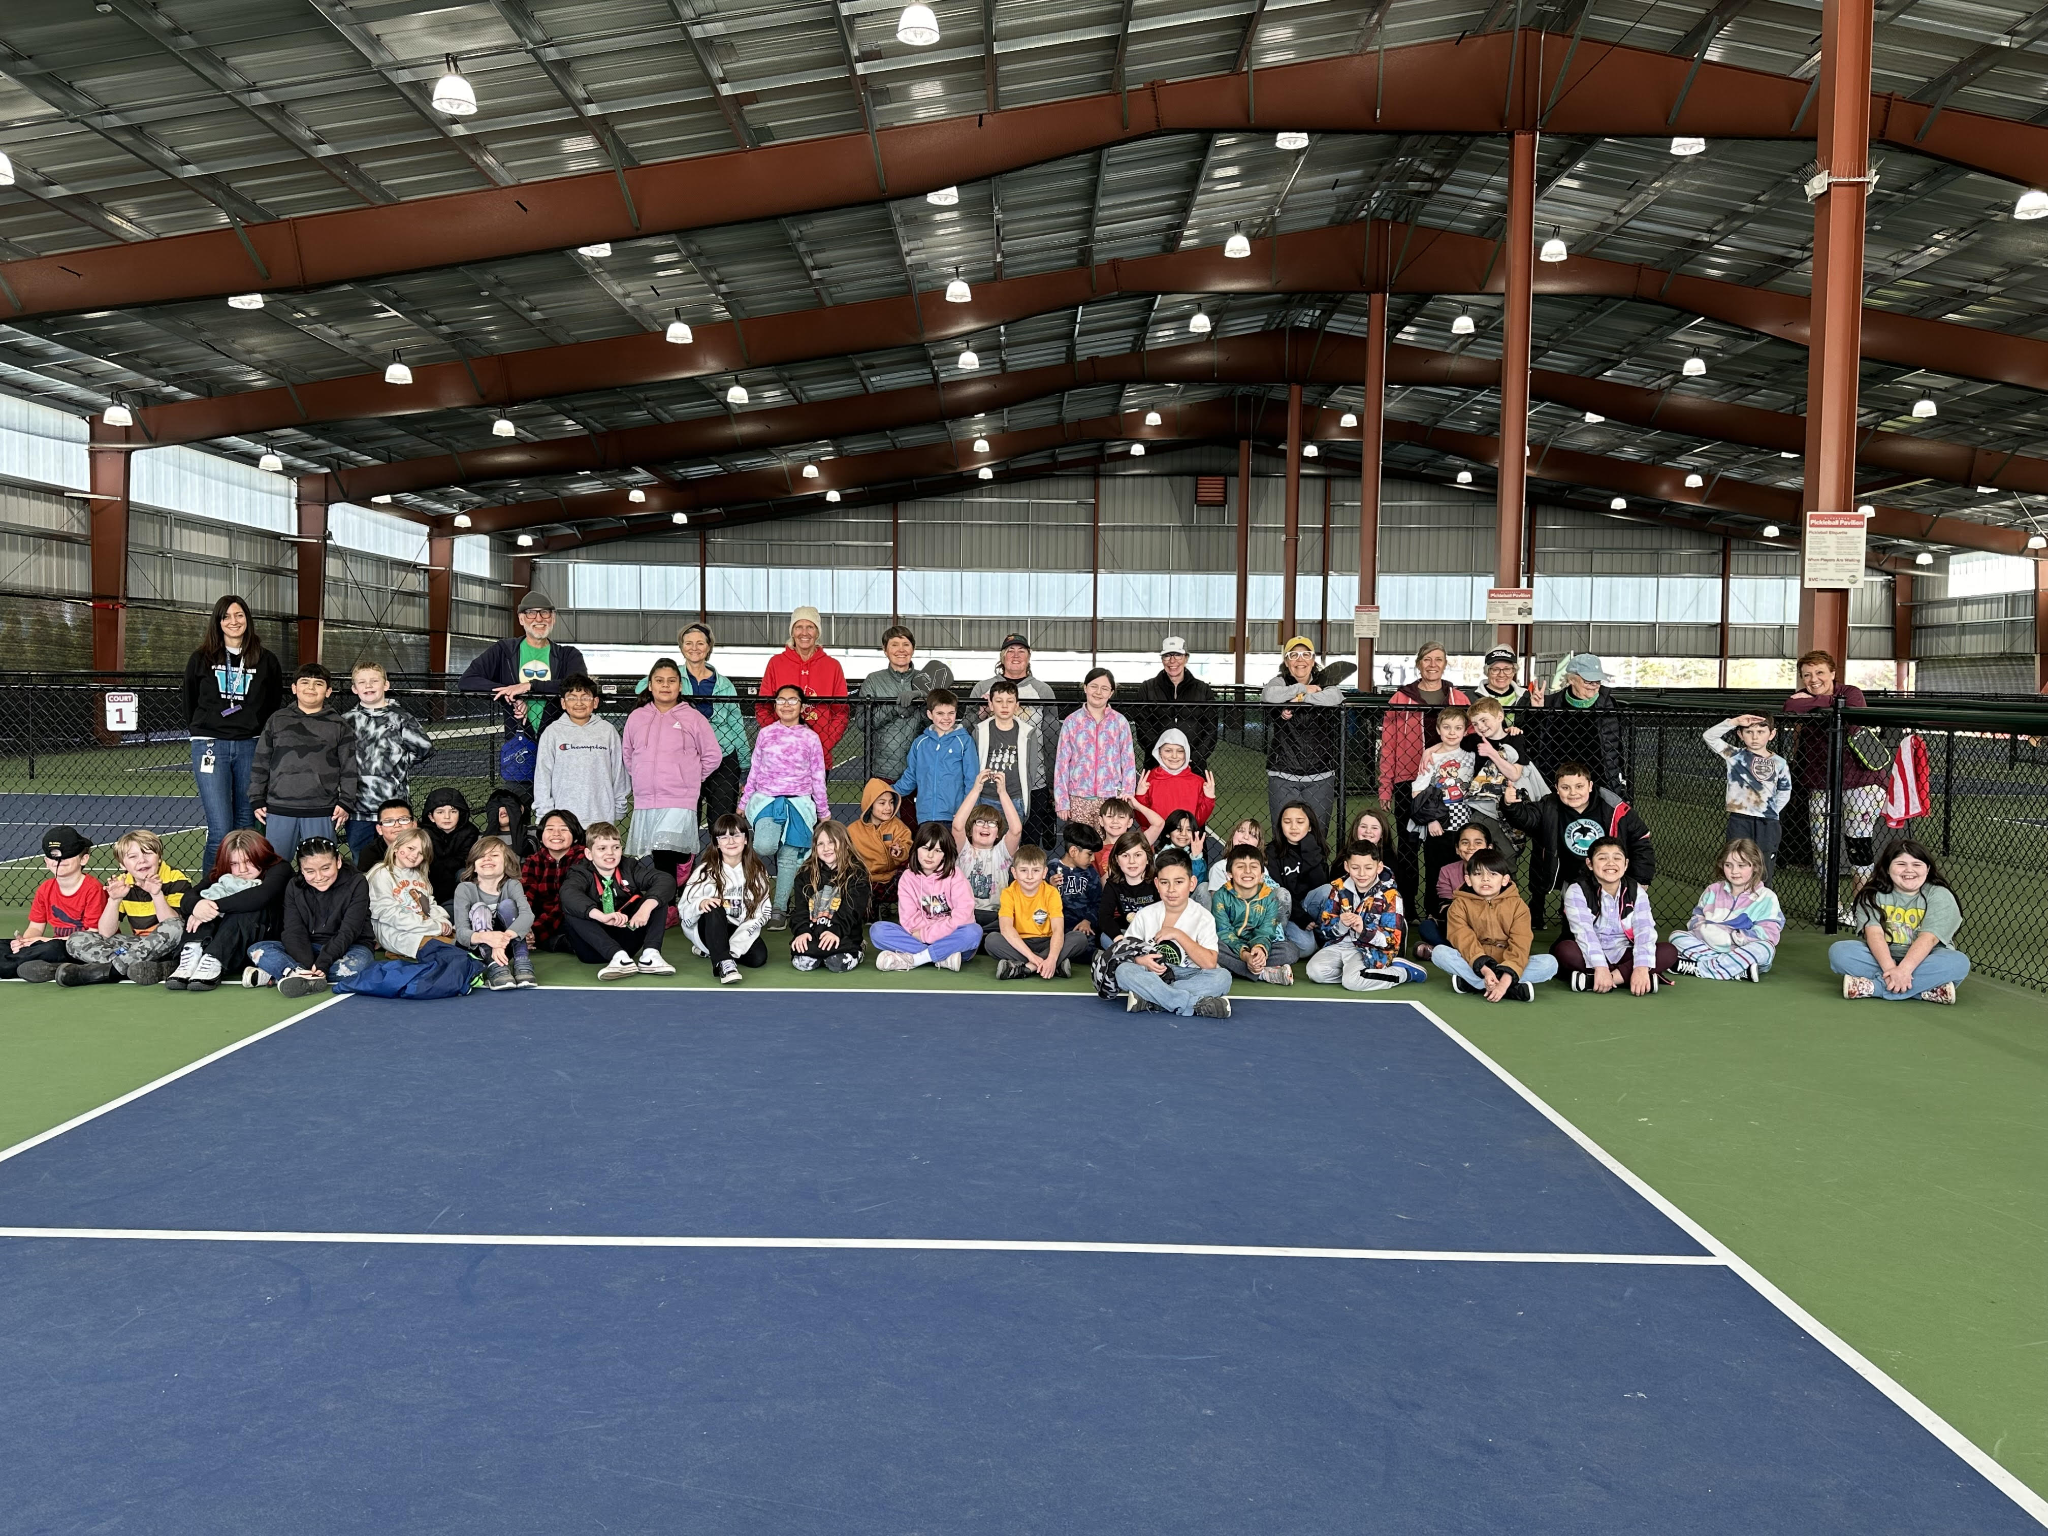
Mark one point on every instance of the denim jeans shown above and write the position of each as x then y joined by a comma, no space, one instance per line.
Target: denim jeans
270,958
223,793
362,833
1852,957
1444,957
1178,990
287,832
963,941
773,849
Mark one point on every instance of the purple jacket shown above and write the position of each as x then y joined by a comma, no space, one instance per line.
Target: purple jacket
669,755
1096,758
788,760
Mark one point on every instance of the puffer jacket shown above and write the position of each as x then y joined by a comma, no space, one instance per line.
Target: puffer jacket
1304,744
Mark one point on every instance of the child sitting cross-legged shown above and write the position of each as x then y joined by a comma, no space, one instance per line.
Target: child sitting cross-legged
1436,906
492,918
402,905
828,905
1613,935
1360,927
242,904
1181,974
882,839
1080,886
1251,934
935,909
559,850
727,901
327,930
1736,923
1128,890
1908,916
988,841
1297,862
69,901
613,905
1031,937
1488,935
153,899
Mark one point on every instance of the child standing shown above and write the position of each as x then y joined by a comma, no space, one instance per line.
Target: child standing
153,899
1613,935
943,771
450,836
1032,937
580,765
670,752
1490,935
1759,782
403,910
1442,783
935,925
785,795
1128,890
1079,882
1006,743
883,842
541,873
1171,783
1182,976
1297,862
1361,927
69,901
492,918
1498,760
327,931
1251,932
1909,917
611,903
303,779
1563,826
987,847
828,904
390,743
727,902
1736,923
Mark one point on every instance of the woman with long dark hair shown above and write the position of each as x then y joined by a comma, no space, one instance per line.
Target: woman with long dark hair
241,904
232,685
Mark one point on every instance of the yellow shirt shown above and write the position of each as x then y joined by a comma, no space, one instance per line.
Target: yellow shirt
1031,915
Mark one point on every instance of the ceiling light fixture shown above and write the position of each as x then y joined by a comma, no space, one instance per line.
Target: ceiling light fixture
2037,541
1199,322
1553,248
245,301
679,331
1153,419
2033,204
1785,455
1290,138
737,395
1348,419
597,251
380,501
1923,558
525,541
1237,247
1866,510
917,27
969,359
1772,530
986,473
503,427
271,464
680,519
397,373
118,415
464,520
833,497
1593,418
453,94
1464,477
1311,451
1924,407
636,495
1137,450
957,291
1461,324
981,445
6,171
810,472
1987,490
1695,480
1694,367
1683,146
1619,504
944,197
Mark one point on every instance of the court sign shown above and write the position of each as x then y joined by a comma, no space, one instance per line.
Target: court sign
124,712
1832,553
1365,622
1511,605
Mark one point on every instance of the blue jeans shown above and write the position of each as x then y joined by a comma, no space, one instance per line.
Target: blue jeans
964,940
269,957
287,832
1178,990
1445,957
773,849
223,793
1852,957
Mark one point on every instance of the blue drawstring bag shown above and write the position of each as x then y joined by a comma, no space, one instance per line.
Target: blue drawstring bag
516,757
446,970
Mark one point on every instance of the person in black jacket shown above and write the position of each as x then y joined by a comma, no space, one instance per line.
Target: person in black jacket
232,686
1298,861
326,933
1176,699
1580,724
611,904
828,905
1564,824
303,780
224,925
525,674
1127,890
452,833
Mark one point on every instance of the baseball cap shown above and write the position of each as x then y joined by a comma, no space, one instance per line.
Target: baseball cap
1299,640
536,601
65,843
1014,639
1173,645
1585,665
1504,653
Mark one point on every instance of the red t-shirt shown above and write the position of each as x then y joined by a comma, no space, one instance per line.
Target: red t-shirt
66,915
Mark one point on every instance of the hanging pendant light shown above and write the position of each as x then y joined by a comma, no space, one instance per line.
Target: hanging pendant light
1348,419
737,395
503,427
969,360
1290,138
1593,418
810,472
1237,247
680,519
832,496
1464,477
271,464
397,372
1137,450
1923,558
2037,541
1695,480
679,331
981,445
636,495
2032,204
464,520
1772,530
597,251
1683,147
453,94
380,501
1694,367
525,541
1310,451
1866,510
1923,408
1619,504
118,415
245,301
1198,322
6,171
1461,324
957,291
1153,419
917,27
945,197
985,473
1553,248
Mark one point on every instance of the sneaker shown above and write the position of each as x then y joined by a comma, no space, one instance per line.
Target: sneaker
147,973
37,970
1136,1004
1277,976
619,965
255,976
522,974
893,960
205,976
1522,991
498,976
1460,984
1064,969
188,967
75,974
777,920
804,962
950,963
1582,981
1686,968
1750,971
300,986
1858,986
651,964
1945,993
1008,970
1212,1007
727,972
1423,951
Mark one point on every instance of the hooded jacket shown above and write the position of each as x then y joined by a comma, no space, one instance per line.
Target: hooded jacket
1568,732
884,846
940,772
211,687
390,743
669,756
321,926
1559,837
497,666
1492,930
305,765
451,849
1188,706
1304,744
818,678
895,715
1167,791
505,816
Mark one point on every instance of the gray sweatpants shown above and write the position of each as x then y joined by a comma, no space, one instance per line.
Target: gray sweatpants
1277,955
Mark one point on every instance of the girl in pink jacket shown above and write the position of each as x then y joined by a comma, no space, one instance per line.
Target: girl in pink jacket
936,908
785,794
669,749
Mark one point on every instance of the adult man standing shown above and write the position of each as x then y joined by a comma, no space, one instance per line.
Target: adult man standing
898,689
1175,699
1580,725
1862,786
525,675
804,666
1037,705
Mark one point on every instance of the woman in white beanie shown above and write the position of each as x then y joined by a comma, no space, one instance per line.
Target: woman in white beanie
803,664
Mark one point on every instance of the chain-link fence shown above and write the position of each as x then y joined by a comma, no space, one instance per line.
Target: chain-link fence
106,754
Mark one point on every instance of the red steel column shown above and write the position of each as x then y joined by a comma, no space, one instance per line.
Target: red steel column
1727,586
1835,309
895,562
1372,444
1323,593
440,598
1511,499
2041,624
1902,625
311,554
1244,552
522,583
108,564
1290,533
703,578
1095,574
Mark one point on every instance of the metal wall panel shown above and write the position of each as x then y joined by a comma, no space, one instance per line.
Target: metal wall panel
30,507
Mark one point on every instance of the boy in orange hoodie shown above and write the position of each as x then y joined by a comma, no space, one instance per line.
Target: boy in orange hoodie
882,841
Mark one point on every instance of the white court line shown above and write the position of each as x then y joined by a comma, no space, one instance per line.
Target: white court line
876,1244
169,1077
1848,1354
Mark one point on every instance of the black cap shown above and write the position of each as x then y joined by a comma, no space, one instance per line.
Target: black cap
65,843
1501,653
1014,639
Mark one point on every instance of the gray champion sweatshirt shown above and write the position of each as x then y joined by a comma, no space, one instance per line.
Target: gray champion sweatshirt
580,768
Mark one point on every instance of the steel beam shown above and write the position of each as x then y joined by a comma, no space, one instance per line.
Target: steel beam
1244,552
1511,501
107,475
311,554
1372,447
1902,626
1446,87
440,599
1290,527
2041,625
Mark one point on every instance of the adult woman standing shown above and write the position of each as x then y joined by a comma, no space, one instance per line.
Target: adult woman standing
1302,736
1403,734
669,752
712,696
232,685
1097,758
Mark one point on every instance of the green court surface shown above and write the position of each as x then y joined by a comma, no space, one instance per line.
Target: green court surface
1879,1163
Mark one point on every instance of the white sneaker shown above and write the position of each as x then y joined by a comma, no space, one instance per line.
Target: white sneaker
804,962
619,965
651,964
253,977
894,960
950,963
188,963
727,972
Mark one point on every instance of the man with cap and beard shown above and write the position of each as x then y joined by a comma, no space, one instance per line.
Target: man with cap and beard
525,674
1037,706
804,665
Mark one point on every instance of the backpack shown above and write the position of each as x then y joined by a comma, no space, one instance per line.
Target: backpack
516,757
1103,969
446,971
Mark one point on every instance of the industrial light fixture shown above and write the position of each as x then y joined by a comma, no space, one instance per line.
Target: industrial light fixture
1464,477
1688,146
986,473
832,496
1348,419
1153,419
1237,247
1137,450
1987,490
464,520
1923,558
503,427
1866,510
453,94
636,495
597,251
245,301
679,331
680,519
525,541
969,359
1461,323
1695,480
397,373
1199,322
810,471
380,501
270,464
957,291
118,415
1310,451
1772,530
6,171
1924,407
2037,541
1619,504
1783,454
944,197
1290,138
737,395
981,445
917,27
1553,248
2033,204
1694,367
1593,418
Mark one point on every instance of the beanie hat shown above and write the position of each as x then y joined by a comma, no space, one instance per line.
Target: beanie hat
798,615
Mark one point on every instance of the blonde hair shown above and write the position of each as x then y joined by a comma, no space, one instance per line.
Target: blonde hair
406,839
1745,849
361,667
142,838
1455,712
483,845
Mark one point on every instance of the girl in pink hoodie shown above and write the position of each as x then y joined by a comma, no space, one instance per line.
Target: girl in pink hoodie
669,751
936,908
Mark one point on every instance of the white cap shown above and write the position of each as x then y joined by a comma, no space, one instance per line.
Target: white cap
1173,645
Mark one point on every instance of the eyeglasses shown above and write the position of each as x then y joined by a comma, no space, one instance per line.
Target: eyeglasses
396,821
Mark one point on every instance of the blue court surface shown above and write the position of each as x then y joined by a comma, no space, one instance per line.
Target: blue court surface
896,1263
100,817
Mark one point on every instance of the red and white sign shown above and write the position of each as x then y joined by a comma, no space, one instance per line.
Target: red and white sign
1832,553
124,712
1365,622
1511,605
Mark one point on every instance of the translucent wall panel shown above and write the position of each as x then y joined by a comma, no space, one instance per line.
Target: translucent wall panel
42,445
186,480
375,533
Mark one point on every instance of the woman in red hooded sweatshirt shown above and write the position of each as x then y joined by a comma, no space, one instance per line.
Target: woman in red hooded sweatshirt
803,665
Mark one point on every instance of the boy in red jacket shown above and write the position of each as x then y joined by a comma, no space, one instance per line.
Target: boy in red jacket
1171,784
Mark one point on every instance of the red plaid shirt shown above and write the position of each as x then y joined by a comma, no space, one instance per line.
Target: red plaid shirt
540,876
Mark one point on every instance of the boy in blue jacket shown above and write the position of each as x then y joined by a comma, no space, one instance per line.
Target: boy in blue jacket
943,764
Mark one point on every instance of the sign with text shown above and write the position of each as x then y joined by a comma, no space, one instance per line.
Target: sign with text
1365,622
124,712
1833,550
1511,605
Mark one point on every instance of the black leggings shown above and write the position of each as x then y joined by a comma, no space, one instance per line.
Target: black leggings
721,791
49,951
595,943
228,938
714,929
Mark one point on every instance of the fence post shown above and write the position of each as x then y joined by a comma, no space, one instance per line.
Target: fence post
1948,789
1831,861
1339,806
1659,728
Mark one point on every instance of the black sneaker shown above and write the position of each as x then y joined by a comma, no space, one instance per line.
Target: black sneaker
727,972
1522,991
1460,984
1686,968
300,986
1008,970
1064,969
1582,981
38,970
1750,972
147,973
79,974
1212,1007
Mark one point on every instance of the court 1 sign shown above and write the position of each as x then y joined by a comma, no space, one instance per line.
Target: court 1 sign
1511,605
1832,552
1365,622
124,713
